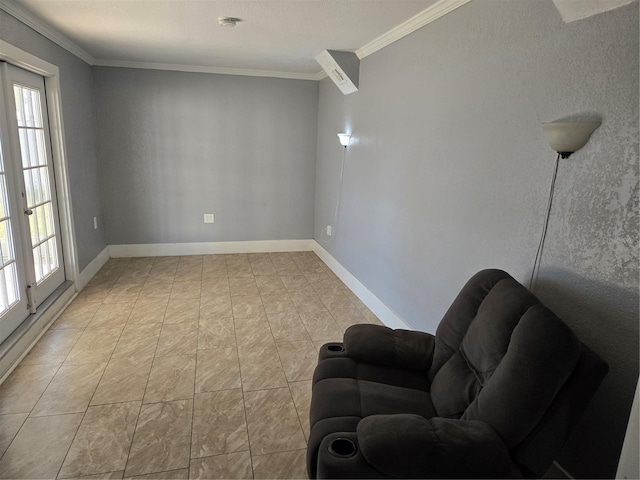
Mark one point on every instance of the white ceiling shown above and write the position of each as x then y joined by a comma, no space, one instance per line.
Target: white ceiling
278,36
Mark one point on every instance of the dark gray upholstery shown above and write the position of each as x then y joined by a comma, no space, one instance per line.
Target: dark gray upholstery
494,393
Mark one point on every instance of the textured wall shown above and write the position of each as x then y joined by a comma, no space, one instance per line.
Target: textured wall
448,172
78,109
174,146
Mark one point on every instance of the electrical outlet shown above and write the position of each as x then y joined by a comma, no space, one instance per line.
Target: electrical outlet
208,218
95,223
329,230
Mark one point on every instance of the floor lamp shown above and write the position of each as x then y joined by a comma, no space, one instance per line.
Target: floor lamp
565,138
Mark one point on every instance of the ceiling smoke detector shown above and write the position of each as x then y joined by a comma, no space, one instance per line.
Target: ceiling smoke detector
228,21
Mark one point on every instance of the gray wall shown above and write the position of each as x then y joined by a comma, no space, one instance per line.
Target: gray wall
448,172
175,145
78,109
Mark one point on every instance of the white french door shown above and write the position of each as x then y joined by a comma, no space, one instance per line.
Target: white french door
31,265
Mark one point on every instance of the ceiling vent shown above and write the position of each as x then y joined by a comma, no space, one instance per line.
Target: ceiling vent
341,67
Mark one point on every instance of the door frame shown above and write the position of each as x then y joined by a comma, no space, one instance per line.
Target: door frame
51,74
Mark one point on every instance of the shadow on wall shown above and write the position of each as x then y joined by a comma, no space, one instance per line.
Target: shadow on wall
605,318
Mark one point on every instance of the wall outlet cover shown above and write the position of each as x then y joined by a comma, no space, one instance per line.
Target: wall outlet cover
208,218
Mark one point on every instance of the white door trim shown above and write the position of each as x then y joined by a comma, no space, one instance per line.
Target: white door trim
51,74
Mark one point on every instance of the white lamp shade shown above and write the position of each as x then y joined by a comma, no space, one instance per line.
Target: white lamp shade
344,138
568,137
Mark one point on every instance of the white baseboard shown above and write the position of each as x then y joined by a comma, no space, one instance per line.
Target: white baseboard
209,248
373,303
94,267
22,340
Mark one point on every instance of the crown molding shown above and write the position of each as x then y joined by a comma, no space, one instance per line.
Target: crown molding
423,18
42,28
203,69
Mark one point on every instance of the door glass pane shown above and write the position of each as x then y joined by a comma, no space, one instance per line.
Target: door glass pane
8,273
37,180
32,146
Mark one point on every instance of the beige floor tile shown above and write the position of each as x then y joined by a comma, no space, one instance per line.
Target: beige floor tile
101,476
270,284
132,280
53,347
287,327
123,293
321,326
229,466
301,394
260,368
186,273
186,290
217,305
284,465
247,306
214,332
348,317
124,380
9,426
138,340
333,299
103,440
238,265
178,339
94,346
76,315
353,298
148,309
40,447
162,438
158,284
212,270
243,286
215,285
70,391
171,378
182,474
278,303
217,369
307,301
21,390
182,311
253,331
262,267
296,283
111,315
273,422
219,424
319,281
370,317
138,271
166,261
299,359
94,293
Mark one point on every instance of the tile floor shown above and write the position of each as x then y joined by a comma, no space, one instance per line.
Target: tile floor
177,367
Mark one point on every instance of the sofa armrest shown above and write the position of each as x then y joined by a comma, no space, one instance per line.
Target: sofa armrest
410,446
392,348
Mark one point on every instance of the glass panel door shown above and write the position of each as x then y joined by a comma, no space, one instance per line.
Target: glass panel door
13,299
36,168
27,184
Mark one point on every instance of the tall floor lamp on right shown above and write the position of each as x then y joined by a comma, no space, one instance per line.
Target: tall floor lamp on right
565,138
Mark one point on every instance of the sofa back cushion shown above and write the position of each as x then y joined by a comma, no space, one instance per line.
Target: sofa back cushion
510,363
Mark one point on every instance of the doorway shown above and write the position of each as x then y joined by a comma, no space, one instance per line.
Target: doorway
31,257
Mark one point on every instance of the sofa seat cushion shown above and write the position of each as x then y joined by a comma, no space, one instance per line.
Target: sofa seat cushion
345,367
349,397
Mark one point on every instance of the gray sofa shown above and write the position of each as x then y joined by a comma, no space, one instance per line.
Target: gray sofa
494,394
